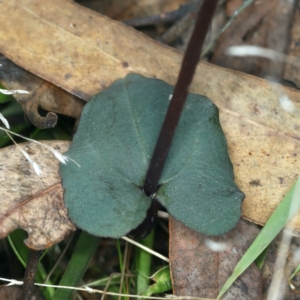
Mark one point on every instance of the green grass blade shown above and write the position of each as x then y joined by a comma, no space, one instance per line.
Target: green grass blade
12,109
143,264
274,225
114,279
261,259
21,251
83,253
120,256
295,272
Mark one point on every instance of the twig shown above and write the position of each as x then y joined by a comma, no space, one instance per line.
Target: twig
30,273
176,30
245,4
188,67
167,17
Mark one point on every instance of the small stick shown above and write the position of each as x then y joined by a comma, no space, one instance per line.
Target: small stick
188,67
176,30
167,17
30,273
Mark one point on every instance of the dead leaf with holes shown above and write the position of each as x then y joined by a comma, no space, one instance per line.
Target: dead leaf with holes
33,203
87,52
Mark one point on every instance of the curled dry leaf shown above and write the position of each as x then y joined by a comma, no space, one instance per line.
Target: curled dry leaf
200,271
31,202
91,51
42,94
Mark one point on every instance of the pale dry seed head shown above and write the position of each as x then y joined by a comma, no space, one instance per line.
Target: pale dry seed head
4,121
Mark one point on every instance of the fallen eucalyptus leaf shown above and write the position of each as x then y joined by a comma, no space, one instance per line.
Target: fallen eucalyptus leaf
113,145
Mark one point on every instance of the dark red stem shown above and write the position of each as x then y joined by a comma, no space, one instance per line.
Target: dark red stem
188,67
30,273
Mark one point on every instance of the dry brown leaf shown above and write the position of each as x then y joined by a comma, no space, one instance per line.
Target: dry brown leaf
84,52
199,271
42,94
31,202
264,24
291,72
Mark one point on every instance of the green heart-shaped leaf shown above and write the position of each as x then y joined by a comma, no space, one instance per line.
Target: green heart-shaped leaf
114,143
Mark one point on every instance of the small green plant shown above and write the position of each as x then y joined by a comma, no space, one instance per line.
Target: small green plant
113,145
163,283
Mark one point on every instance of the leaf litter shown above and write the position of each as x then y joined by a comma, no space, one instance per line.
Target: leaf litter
264,87
258,133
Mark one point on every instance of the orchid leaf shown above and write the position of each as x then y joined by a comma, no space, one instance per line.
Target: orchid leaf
113,145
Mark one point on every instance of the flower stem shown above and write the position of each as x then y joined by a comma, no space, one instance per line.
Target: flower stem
188,67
